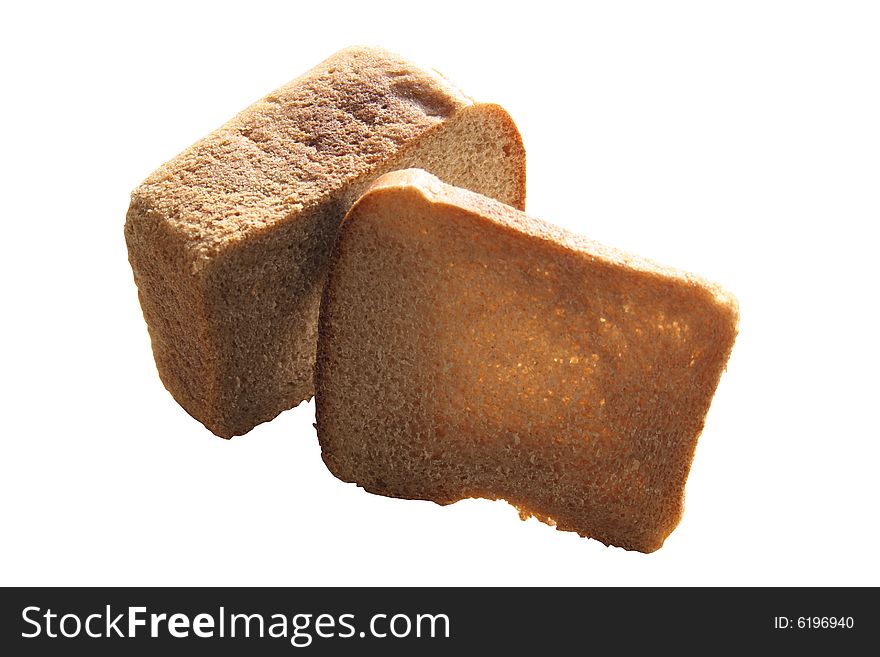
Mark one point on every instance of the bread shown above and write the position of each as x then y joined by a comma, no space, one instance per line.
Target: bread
229,240
468,350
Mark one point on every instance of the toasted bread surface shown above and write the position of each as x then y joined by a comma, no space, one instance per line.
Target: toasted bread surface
468,350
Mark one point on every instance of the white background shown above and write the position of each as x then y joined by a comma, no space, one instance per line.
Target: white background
740,141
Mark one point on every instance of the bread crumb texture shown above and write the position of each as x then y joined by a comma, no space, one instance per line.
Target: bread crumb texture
229,240
468,350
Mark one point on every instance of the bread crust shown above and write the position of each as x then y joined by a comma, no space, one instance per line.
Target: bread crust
228,241
521,362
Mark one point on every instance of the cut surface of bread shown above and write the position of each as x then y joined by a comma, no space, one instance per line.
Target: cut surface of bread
228,241
468,350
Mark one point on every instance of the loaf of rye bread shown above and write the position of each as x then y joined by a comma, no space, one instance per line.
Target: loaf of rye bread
229,240
468,350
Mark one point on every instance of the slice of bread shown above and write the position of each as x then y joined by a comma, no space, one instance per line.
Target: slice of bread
229,240
468,350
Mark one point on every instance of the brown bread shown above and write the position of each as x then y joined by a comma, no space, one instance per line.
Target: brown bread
229,240
468,350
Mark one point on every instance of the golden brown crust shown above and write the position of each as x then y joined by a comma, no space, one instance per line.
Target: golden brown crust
287,151
468,350
228,240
